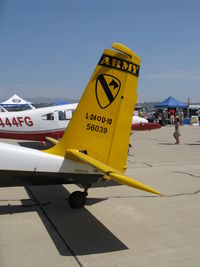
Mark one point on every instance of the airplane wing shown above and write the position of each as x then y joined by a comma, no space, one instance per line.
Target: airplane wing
109,172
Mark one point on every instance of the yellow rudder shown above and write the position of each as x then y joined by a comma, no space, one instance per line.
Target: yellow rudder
101,123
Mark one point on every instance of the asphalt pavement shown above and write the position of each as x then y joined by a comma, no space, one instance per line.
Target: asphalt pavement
119,226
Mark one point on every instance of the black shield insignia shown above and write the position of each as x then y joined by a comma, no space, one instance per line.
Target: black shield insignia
107,89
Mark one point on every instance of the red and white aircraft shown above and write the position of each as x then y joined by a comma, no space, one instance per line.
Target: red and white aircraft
141,124
49,122
36,124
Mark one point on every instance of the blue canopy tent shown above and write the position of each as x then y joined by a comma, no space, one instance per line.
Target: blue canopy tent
171,102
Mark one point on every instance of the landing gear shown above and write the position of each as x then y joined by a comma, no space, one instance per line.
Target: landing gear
77,198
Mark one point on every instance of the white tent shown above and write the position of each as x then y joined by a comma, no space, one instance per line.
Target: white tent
16,101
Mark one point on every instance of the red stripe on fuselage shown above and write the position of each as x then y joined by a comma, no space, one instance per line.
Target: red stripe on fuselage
35,136
145,126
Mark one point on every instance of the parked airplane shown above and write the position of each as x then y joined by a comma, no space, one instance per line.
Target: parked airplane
141,124
50,122
95,143
36,124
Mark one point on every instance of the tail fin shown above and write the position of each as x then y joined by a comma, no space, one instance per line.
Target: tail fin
101,124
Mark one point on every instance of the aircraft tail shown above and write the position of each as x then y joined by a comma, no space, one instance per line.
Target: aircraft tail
101,123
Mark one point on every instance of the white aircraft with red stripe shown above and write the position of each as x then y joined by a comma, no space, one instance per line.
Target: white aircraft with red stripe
36,124
142,124
49,122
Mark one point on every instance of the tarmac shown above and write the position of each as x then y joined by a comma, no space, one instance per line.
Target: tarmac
119,226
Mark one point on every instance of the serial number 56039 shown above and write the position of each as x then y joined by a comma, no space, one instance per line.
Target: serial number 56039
96,128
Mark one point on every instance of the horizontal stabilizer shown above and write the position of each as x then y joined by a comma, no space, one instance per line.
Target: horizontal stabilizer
108,171
51,140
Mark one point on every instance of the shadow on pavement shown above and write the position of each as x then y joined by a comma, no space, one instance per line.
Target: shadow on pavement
77,231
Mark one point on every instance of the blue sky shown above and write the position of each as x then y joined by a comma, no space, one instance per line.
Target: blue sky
51,47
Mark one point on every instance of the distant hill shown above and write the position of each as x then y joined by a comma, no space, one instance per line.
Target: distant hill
149,105
47,101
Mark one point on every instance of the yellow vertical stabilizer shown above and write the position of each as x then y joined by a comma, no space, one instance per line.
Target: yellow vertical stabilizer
101,123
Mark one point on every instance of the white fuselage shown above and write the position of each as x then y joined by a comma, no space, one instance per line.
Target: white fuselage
36,124
137,119
25,166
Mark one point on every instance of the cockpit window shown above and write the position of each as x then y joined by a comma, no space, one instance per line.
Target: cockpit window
61,116
49,117
66,115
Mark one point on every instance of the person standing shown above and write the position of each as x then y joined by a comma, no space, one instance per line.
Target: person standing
140,113
172,114
164,117
177,130
181,117
198,114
